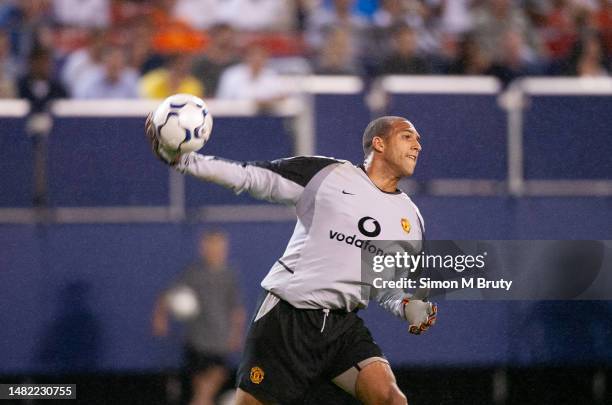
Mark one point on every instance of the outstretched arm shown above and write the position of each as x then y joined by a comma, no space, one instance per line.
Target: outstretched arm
271,181
281,180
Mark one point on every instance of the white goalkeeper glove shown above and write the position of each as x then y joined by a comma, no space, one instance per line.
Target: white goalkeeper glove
167,156
419,314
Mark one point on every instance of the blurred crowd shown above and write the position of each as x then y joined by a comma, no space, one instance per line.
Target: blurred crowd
236,48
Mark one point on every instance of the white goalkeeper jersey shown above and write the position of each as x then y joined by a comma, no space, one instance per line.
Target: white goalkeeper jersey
340,212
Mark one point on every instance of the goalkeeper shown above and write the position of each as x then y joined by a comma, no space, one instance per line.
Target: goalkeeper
306,327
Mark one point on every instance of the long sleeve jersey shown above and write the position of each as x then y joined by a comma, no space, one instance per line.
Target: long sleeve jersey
340,213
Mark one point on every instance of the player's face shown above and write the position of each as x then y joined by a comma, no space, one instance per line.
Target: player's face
402,148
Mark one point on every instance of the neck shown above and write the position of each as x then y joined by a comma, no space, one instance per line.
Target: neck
381,175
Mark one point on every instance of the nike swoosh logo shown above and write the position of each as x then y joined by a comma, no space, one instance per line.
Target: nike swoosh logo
346,192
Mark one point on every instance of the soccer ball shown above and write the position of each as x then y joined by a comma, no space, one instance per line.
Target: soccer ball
183,123
183,303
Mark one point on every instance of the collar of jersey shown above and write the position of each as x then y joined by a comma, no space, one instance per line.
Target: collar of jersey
397,191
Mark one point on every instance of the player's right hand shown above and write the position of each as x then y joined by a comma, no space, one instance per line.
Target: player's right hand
166,156
420,315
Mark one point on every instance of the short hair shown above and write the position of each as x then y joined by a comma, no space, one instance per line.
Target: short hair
379,127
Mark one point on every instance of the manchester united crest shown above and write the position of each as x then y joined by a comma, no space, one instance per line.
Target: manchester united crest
257,375
405,225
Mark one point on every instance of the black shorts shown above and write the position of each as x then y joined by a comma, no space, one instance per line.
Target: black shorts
286,352
196,361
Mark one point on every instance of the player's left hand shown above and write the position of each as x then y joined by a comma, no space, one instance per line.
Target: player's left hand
421,315
168,157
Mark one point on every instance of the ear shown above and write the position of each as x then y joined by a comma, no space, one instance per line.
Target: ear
378,144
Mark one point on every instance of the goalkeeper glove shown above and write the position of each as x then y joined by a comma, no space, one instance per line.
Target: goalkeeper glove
169,157
420,315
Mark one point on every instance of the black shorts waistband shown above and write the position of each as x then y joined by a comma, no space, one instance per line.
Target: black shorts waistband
336,311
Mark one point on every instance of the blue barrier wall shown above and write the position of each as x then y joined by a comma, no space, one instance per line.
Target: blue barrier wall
241,139
16,183
463,136
568,137
80,296
103,161
339,123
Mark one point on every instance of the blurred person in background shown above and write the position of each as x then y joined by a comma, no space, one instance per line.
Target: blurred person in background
404,58
141,55
220,54
422,17
252,79
559,31
114,80
199,14
515,62
587,59
173,78
28,24
389,14
492,19
81,62
601,20
37,85
470,60
82,13
216,329
171,34
258,15
39,88
341,14
8,69
454,15
245,15
337,56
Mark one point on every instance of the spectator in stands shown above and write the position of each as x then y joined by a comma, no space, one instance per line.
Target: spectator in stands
471,60
492,19
81,62
82,13
454,15
258,15
8,69
28,25
515,62
173,35
38,85
587,58
246,15
174,78
337,57
114,80
414,14
404,59
601,20
216,329
200,14
390,14
322,20
252,79
141,55
559,29
220,54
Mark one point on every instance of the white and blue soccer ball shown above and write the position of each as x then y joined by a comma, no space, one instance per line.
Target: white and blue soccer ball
183,123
